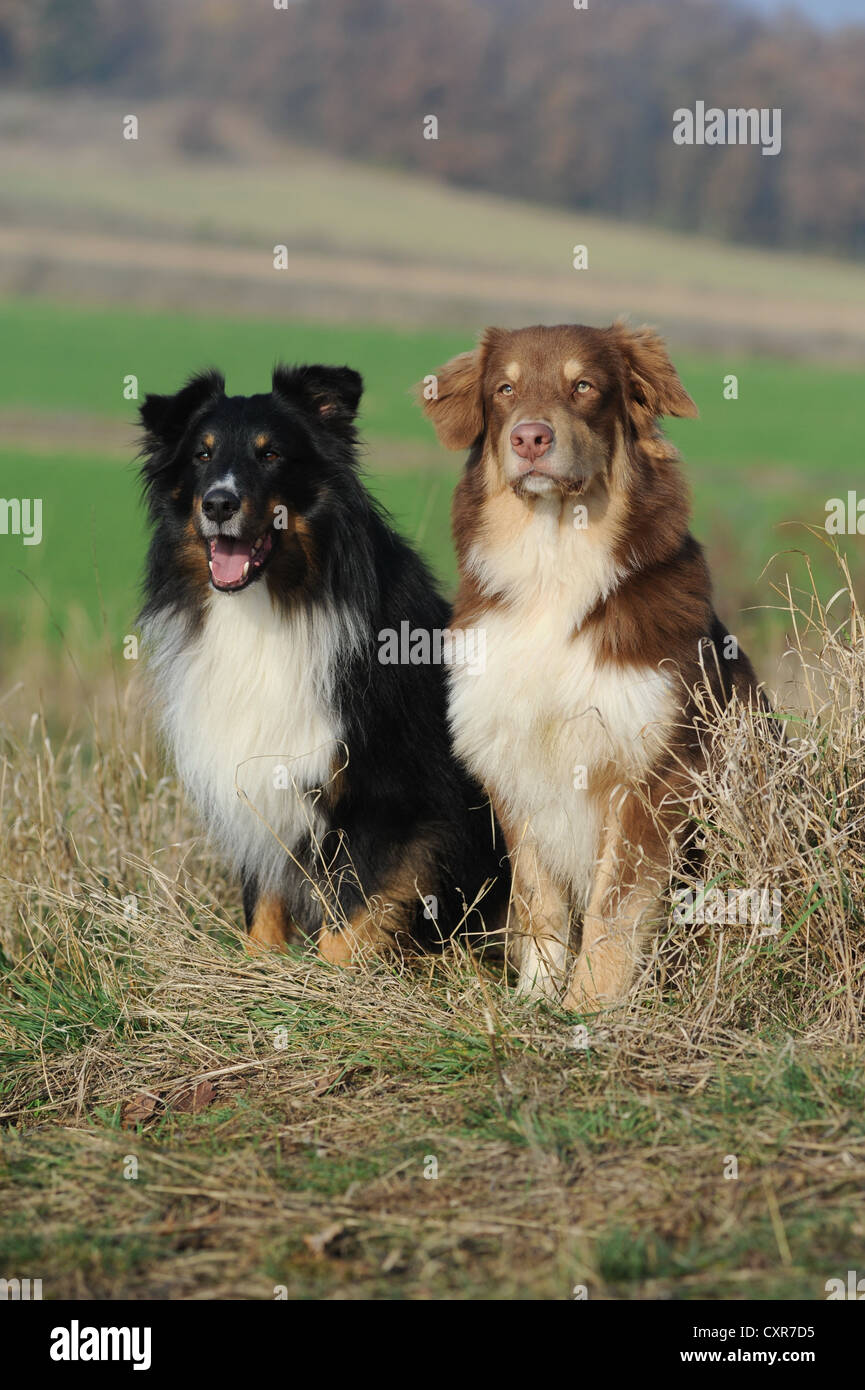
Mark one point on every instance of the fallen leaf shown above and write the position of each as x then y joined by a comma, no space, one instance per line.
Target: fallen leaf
138,1110
337,1080
194,1098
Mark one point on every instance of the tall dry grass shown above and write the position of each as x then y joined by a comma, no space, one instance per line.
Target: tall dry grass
115,920
780,815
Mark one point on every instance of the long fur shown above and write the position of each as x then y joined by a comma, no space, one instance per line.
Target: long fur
600,628
325,777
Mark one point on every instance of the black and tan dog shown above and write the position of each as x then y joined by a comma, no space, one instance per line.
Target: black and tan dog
324,775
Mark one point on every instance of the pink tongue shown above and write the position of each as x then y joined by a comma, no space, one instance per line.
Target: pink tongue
228,558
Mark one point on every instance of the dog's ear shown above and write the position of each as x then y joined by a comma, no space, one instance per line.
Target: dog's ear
165,418
654,388
331,394
453,399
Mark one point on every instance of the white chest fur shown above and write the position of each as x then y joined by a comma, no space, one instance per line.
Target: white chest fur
546,716
245,706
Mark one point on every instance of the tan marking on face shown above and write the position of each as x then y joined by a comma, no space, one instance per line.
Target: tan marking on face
208,440
513,370
191,554
296,531
573,368
261,441
493,481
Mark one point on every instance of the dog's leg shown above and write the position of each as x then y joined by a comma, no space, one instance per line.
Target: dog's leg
364,935
537,943
382,921
269,925
623,907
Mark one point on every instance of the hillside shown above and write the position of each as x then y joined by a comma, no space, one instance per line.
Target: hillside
90,216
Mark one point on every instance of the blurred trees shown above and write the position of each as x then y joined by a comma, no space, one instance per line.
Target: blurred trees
534,99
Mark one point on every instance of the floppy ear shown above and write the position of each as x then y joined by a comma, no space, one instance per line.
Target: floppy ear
457,408
330,393
165,417
654,387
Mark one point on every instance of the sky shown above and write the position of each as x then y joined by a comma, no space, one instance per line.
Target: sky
823,12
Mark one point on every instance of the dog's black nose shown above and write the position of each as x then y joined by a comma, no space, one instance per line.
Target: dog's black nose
219,504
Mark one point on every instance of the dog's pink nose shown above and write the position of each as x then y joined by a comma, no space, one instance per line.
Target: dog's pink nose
531,439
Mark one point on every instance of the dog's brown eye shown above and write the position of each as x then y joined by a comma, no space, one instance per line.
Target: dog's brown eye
270,456
583,386
204,456
506,389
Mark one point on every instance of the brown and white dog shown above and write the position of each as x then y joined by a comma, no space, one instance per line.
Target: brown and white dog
571,527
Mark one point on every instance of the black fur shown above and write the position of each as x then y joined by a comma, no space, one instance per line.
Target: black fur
402,783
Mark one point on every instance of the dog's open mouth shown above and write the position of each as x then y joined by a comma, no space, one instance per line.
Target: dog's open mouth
235,563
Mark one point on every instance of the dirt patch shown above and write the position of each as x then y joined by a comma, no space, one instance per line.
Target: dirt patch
166,273
79,432
51,432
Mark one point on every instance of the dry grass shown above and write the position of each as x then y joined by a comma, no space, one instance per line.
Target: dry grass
284,1114
783,811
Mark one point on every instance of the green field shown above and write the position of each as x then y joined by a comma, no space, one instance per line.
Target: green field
283,1113
771,457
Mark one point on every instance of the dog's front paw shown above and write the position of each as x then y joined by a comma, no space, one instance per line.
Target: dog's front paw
537,985
586,994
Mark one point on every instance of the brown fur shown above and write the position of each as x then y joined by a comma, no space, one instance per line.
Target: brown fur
192,557
609,455
271,928
384,923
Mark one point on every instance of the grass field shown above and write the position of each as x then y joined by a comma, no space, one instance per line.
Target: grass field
771,457
180,1120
